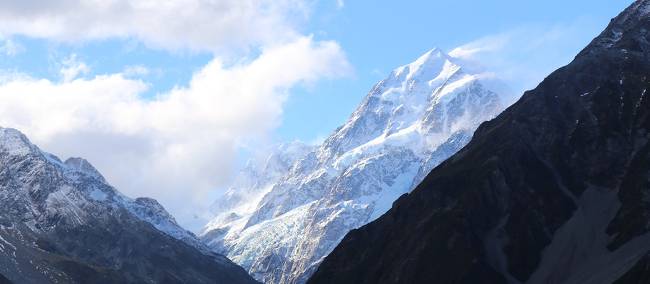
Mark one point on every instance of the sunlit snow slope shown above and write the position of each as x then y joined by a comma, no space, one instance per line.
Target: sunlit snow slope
280,228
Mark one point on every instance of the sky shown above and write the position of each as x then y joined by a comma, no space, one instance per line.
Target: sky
168,98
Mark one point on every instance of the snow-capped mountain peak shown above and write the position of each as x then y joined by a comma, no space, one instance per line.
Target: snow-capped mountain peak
540,195
82,166
61,221
14,143
426,65
422,113
16,149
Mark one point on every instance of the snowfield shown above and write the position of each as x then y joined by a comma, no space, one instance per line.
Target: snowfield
283,215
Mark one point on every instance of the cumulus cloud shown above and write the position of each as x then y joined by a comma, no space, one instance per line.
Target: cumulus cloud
180,145
204,25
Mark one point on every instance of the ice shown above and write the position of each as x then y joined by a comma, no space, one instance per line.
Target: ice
389,143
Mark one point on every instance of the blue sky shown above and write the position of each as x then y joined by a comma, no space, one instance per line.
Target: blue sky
380,35
377,36
181,92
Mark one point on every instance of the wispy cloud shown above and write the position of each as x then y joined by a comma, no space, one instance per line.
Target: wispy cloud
9,47
71,68
136,71
525,55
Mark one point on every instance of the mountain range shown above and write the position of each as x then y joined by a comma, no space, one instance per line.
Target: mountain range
61,222
430,180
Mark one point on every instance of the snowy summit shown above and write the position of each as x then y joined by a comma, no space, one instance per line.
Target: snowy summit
422,113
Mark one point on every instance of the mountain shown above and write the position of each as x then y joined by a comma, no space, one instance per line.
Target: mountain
554,190
61,222
255,180
417,117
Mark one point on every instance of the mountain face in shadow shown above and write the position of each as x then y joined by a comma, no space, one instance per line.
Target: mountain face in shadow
554,190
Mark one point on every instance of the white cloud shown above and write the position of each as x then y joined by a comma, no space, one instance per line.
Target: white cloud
204,25
136,70
340,3
180,145
71,68
524,56
492,43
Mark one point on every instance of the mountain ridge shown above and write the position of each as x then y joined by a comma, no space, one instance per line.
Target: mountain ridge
409,122
550,191
61,222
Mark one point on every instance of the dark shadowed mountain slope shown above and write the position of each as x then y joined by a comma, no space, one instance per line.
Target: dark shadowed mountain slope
554,190
60,222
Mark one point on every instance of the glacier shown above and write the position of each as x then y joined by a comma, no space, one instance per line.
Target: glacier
280,219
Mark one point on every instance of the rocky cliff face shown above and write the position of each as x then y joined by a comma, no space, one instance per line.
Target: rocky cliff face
408,123
60,222
554,190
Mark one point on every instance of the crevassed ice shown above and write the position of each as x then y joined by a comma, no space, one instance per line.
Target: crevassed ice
422,113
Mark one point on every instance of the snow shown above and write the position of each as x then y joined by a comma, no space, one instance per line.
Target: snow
76,191
266,234
383,200
5,242
65,202
616,37
82,166
409,137
14,143
429,61
394,138
238,214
